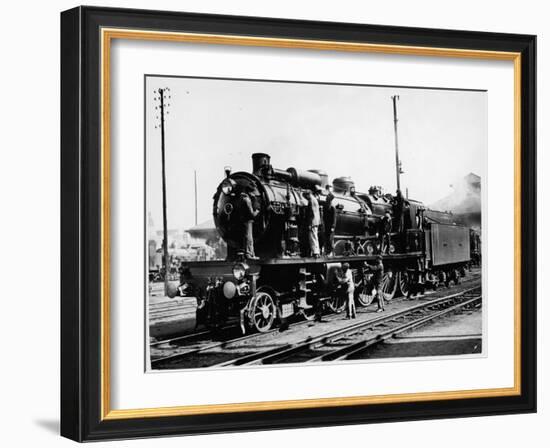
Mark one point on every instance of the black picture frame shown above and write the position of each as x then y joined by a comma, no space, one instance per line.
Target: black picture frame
81,224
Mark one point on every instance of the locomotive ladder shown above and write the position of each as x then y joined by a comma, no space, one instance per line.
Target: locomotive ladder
303,284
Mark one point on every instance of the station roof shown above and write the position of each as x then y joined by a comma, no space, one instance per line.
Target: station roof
205,229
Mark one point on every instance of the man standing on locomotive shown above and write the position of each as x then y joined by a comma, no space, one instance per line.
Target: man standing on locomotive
398,210
247,215
313,219
329,218
385,230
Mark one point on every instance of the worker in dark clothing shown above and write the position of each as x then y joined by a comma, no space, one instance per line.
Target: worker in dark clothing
398,210
377,281
185,288
407,221
384,234
247,216
329,222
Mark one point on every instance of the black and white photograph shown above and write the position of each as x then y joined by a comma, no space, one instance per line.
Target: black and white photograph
297,223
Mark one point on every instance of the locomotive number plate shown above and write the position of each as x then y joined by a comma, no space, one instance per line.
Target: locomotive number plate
287,310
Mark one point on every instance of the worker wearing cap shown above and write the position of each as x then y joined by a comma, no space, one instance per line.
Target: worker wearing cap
349,285
247,215
398,210
385,230
377,280
329,221
313,219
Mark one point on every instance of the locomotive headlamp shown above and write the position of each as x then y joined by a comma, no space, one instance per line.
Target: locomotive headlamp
229,290
227,186
239,270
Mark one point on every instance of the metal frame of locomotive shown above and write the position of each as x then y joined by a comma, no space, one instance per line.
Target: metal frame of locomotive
426,248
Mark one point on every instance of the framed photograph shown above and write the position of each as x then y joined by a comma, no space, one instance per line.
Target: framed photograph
273,223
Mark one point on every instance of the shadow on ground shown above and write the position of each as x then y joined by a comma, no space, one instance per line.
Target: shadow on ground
51,426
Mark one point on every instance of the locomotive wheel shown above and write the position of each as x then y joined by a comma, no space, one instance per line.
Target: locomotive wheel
364,295
404,283
368,247
389,285
339,247
385,249
337,303
308,314
263,312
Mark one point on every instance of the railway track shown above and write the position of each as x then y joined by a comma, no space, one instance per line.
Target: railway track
351,342
342,343
183,338
181,348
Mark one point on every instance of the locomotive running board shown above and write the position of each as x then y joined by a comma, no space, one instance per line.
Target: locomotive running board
304,260
335,259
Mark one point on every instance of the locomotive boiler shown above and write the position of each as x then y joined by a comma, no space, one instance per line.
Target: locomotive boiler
279,197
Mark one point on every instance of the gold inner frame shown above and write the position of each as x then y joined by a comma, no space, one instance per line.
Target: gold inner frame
107,35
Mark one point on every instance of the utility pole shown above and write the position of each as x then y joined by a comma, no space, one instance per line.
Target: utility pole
398,170
163,95
195,197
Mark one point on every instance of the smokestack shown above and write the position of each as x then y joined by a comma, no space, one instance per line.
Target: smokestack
260,160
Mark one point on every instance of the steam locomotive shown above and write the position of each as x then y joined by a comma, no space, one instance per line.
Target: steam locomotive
425,248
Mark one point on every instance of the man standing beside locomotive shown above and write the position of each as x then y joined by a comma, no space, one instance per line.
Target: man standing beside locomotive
329,221
349,285
247,216
378,275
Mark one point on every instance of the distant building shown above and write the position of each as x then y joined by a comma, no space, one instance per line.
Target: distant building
200,242
464,202
205,230
207,234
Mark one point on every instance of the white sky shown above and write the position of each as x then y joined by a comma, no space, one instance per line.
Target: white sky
344,130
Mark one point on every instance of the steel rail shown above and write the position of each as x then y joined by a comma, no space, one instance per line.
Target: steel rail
353,349
194,351
181,338
191,336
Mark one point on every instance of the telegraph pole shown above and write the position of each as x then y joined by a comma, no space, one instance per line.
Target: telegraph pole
163,95
398,170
